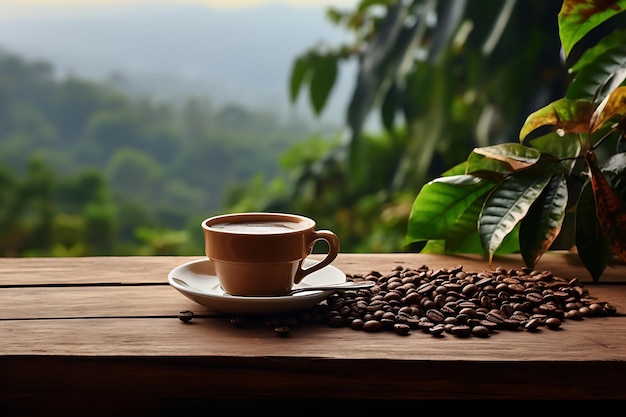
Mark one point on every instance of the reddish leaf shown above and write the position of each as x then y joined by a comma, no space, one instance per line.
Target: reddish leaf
579,17
566,115
612,107
516,156
610,211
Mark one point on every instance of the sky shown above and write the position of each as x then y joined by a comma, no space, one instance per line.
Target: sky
29,28
213,3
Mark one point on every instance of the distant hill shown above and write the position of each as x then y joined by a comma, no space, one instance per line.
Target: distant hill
171,50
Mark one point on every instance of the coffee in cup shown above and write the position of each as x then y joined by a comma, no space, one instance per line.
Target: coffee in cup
262,253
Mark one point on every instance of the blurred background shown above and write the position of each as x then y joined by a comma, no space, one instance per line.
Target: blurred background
123,124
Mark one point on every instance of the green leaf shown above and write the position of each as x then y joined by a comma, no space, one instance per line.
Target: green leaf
510,244
440,203
299,72
578,17
506,205
542,224
613,41
483,166
515,155
592,245
595,74
564,149
567,147
568,116
557,146
463,237
322,81
434,246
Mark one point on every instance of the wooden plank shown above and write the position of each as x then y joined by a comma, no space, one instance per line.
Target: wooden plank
98,347
58,271
154,269
151,300
75,302
586,340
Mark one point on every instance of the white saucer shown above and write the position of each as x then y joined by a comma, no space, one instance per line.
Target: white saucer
196,280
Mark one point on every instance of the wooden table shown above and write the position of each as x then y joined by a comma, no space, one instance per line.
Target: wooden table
103,333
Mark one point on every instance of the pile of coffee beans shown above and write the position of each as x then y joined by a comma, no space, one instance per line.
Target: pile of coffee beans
450,302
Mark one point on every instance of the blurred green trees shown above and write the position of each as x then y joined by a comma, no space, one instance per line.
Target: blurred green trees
87,170
440,77
434,80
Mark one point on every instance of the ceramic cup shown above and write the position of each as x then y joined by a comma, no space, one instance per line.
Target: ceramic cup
261,254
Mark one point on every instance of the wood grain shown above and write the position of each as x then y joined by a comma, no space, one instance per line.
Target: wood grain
90,331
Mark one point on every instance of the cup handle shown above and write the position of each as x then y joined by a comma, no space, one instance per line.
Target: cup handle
333,251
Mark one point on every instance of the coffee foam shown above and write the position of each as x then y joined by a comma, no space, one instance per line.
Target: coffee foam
259,228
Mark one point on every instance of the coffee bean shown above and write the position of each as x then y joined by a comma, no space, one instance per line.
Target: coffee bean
480,331
468,311
378,314
585,311
460,330
532,324
573,315
412,298
185,316
511,324
413,322
282,331
469,290
494,317
402,329
507,309
462,318
437,330
610,309
425,288
357,324
473,323
447,310
372,326
597,309
388,323
535,297
426,325
451,301
435,316
467,304
553,323
489,324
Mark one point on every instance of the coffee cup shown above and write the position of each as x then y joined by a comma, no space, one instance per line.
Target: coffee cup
262,253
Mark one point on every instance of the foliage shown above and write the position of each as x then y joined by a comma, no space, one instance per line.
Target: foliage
88,170
441,75
42,215
84,169
527,187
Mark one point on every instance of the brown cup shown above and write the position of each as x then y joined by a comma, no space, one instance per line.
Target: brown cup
260,253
